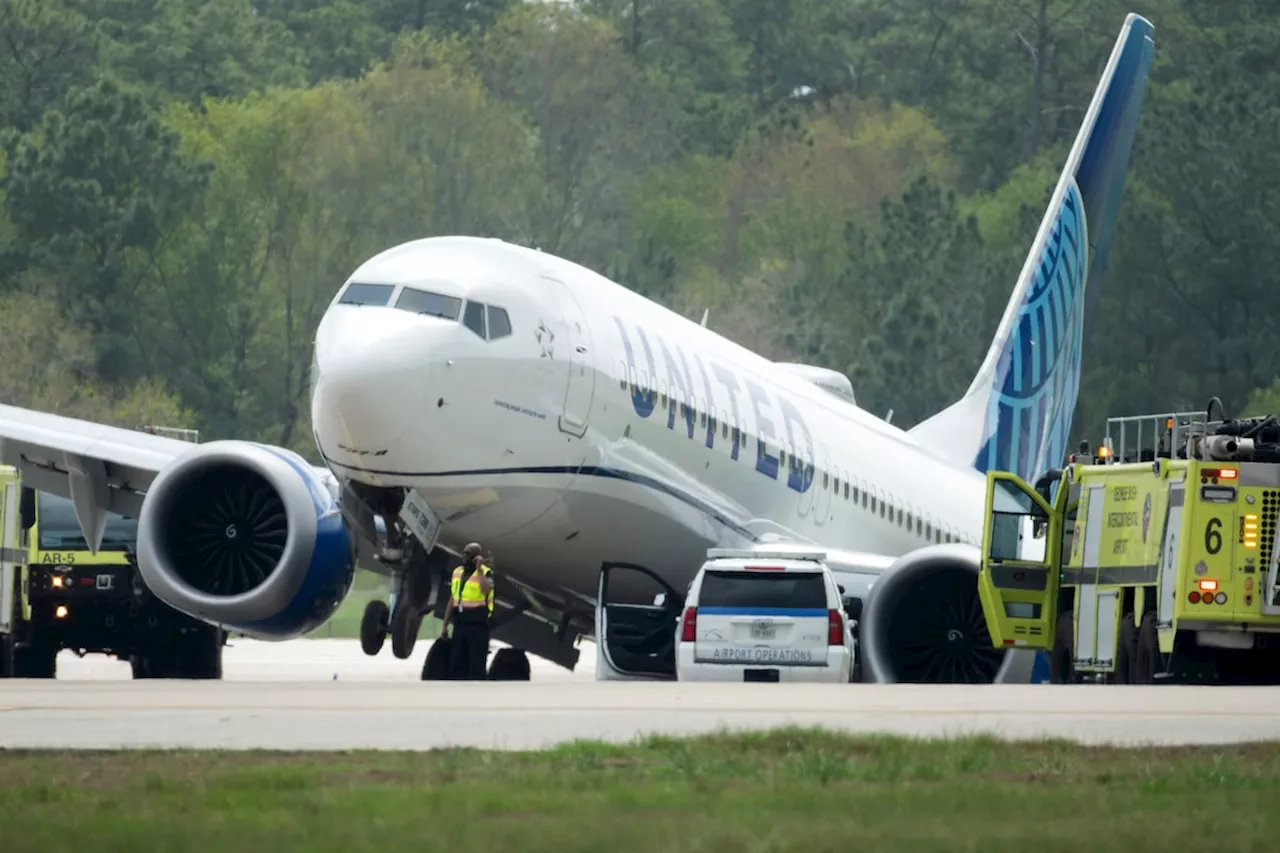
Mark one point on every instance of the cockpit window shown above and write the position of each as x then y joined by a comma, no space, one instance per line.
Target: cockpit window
359,293
499,323
426,302
473,319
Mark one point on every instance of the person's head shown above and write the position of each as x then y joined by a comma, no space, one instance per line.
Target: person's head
472,552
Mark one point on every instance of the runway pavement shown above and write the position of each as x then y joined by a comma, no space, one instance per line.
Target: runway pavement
284,696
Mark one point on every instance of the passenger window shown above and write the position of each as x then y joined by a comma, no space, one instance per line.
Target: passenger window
358,293
473,319
499,323
431,304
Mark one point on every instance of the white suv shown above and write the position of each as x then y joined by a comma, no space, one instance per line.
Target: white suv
760,616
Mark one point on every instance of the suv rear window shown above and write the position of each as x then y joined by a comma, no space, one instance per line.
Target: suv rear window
763,589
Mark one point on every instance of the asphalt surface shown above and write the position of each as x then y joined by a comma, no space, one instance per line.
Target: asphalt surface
326,695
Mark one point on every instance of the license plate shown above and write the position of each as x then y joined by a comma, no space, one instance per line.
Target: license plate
762,630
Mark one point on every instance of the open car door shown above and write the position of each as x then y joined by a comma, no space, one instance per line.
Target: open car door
1020,575
637,615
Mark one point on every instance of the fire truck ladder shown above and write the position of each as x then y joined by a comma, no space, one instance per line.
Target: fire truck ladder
1143,438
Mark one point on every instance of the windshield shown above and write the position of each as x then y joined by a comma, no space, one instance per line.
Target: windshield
358,293
763,589
59,530
426,302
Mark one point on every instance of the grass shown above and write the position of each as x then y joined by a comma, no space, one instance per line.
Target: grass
345,622
802,790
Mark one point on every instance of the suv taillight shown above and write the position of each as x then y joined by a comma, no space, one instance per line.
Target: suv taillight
835,628
690,620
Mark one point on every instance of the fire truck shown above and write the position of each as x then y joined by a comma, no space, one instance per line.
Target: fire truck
1153,560
56,594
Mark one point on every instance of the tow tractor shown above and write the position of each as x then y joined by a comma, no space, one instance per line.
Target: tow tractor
1152,561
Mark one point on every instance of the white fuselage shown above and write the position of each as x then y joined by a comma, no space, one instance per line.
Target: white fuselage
560,446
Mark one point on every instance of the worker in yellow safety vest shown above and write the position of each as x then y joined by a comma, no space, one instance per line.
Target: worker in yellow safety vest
470,608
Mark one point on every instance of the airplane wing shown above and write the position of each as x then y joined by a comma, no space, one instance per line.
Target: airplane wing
101,469
856,571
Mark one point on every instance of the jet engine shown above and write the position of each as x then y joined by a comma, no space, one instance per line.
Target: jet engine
922,622
248,537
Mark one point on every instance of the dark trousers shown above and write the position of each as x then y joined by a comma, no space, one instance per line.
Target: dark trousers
470,645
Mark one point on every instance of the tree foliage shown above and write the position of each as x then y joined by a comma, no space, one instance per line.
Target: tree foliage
851,183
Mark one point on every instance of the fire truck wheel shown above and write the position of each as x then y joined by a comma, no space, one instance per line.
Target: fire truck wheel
1126,650
1147,658
1061,666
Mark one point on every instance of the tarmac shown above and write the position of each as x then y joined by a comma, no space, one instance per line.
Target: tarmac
327,695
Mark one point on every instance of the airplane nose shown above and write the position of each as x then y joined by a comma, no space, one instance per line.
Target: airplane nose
373,374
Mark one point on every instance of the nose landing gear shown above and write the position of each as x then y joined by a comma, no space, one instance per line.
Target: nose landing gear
413,593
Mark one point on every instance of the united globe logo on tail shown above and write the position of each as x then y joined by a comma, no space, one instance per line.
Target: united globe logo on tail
1039,372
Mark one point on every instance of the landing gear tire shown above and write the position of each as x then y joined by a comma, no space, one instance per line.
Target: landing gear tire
1147,659
509,665
436,665
1061,666
203,652
404,631
373,627
194,654
1126,650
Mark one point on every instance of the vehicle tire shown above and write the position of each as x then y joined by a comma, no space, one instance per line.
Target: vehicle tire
6,656
436,665
404,631
1146,659
509,665
202,653
1061,666
38,660
373,627
1126,649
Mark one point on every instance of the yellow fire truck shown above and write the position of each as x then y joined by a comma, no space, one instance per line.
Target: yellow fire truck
56,594
1152,562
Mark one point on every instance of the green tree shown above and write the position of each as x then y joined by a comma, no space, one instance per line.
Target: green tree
94,191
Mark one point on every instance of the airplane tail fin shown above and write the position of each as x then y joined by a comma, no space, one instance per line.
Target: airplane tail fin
1016,415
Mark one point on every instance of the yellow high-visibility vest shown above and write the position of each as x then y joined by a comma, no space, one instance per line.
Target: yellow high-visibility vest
471,595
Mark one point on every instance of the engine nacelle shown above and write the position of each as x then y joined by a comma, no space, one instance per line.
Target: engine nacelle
922,622
248,537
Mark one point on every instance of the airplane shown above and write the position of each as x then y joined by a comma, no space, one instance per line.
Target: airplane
597,445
